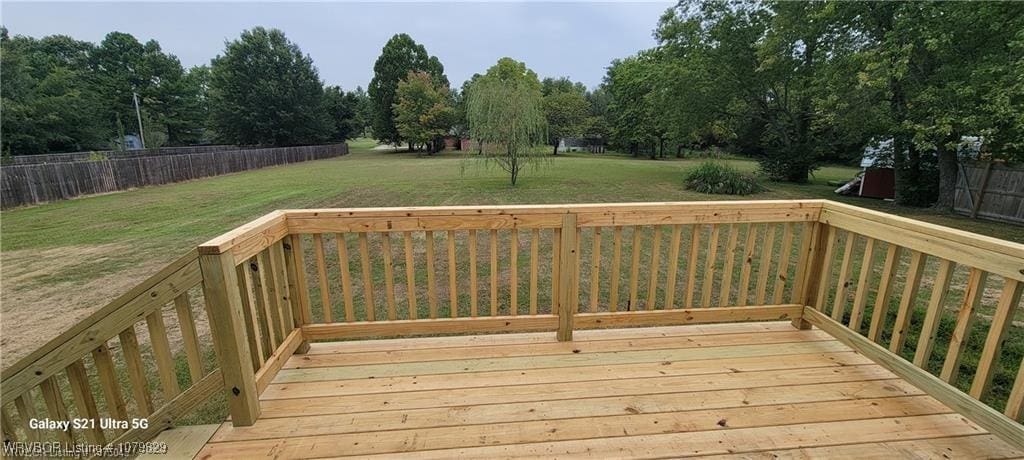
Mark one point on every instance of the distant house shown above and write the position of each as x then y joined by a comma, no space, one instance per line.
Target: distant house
581,144
131,142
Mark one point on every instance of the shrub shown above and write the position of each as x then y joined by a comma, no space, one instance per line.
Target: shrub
721,179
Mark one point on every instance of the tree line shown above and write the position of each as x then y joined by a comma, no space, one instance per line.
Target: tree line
796,84
60,95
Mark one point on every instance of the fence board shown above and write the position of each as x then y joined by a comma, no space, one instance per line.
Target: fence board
38,183
999,196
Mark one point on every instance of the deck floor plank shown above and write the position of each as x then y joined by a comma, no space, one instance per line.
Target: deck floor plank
556,348
313,388
744,390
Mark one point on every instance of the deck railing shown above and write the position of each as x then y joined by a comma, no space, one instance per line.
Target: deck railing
291,277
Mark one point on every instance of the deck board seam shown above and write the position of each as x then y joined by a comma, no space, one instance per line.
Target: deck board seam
696,409
598,380
723,429
570,368
566,399
610,353
574,342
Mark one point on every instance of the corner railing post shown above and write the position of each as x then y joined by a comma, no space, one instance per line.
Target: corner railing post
227,326
567,300
813,262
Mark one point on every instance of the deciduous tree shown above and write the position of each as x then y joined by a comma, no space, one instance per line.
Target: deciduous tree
399,56
265,91
505,111
423,112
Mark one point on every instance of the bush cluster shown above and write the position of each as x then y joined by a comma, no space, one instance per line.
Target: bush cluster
721,179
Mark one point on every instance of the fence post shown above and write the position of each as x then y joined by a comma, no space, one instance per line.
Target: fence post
227,325
567,260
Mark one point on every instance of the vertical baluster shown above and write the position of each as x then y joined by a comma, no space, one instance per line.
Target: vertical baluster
108,383
926,341
494,272
255,278
906,308
730,261
964,320
613,297
1015,403
346,277
652,285
453,291
514,273
265,280
10,436
55,406
748,262
534,262
779,290
410,274
162,354
709,267
27,411
673,267
691,265
860,297
474,286
183,308
260,341
1002,319
279,273
389,276
764,265
845,270
254,336
431,282
81,394
296,266
136,370
634,271
321,271
595,270
364,260
885,285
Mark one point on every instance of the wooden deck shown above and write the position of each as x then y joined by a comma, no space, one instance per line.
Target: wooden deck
744,390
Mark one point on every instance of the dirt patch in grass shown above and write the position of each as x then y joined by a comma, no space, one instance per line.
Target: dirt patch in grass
47,291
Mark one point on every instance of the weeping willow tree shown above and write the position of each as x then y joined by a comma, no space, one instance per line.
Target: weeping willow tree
506,114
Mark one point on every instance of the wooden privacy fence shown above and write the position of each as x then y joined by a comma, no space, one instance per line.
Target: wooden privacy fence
100,154
293,276
38,183
990,190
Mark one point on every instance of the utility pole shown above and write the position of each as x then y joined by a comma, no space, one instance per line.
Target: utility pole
138,115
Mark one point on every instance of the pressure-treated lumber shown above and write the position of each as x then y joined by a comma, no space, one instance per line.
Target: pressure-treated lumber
974,410
228,331
567,302
976,280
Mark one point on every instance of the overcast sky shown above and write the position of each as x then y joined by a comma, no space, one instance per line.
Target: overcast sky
577,40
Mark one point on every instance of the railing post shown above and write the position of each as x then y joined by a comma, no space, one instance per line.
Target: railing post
812,264
227,325
567,300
